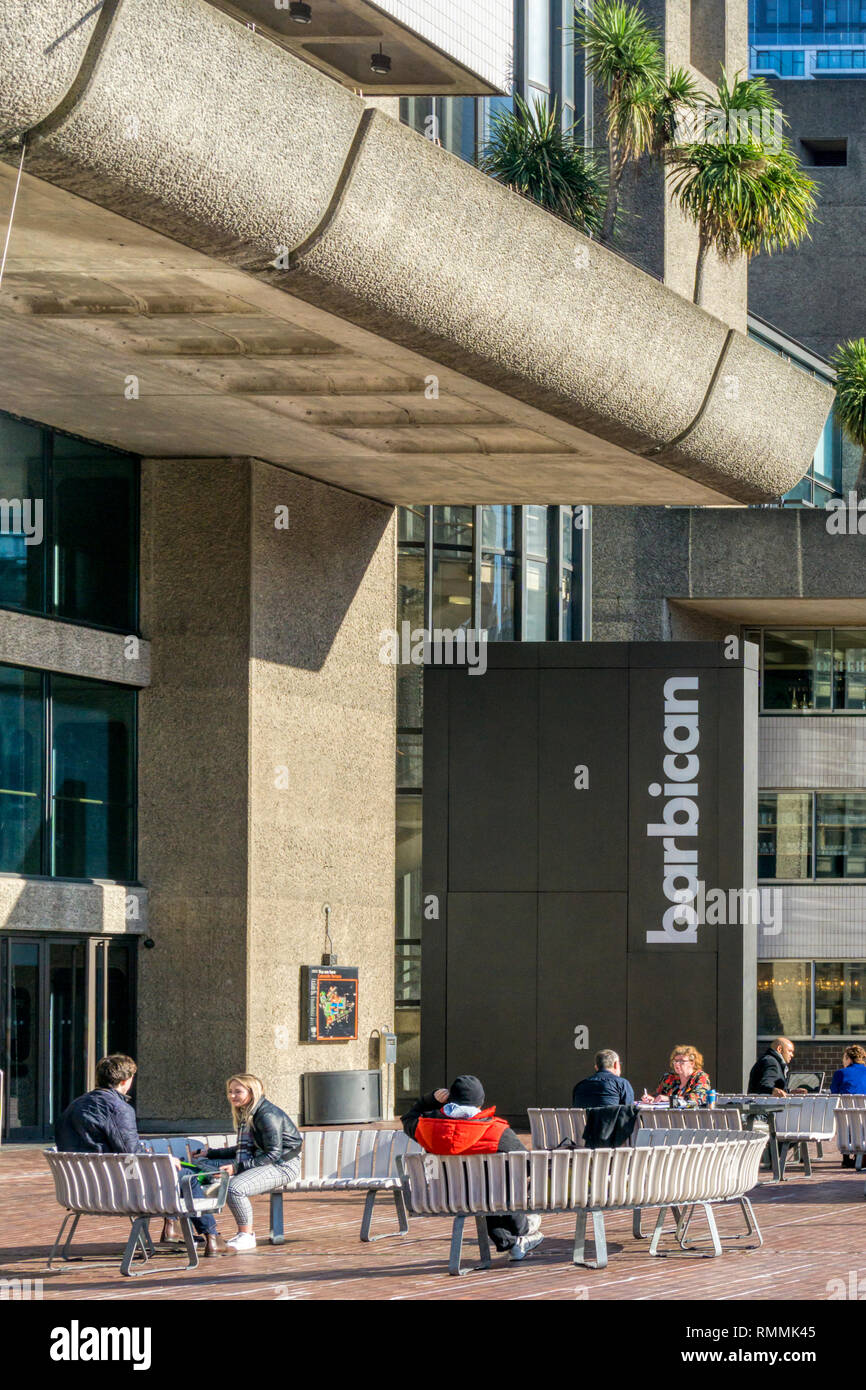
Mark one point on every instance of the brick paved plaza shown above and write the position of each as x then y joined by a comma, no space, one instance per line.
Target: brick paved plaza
813,1234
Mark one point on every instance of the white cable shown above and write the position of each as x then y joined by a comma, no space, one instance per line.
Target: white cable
12,210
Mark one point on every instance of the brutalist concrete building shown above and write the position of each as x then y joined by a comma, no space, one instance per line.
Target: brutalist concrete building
245,315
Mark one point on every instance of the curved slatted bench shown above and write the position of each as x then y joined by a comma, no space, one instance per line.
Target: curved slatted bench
851,1130
351,1160
717,1168
139,1186
690,1119
807,1120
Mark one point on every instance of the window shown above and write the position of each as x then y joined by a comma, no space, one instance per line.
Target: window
799,830
825,154
69,532
812,999
67,764
811,670
499,573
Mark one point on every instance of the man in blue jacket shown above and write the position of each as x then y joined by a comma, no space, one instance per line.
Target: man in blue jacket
606,1086
103,1122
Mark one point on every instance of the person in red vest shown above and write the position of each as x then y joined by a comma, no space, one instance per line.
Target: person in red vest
454,1121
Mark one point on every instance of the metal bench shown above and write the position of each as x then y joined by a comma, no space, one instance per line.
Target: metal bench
716,1168
690,1119
139,1186
350,1160
806,1120
851,1130
548,1126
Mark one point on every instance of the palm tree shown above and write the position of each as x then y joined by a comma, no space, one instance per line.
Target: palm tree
624,56
529,151
849,359
747,193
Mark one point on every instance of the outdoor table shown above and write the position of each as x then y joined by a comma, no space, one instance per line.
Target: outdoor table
766,1108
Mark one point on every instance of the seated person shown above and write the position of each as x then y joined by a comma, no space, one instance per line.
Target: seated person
265,1157
685,1081
850,1079
606,1086
454,1121
103,1122
769,1075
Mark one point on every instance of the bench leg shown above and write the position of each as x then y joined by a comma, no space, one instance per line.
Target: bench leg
402,1215
807,1161
657,1232
456,1245
752,1227
579,1255
276,1235
64,1254
134,1245
483,1242
819,1148
714,1230
858,1163
146,1242
636,1229
782,1162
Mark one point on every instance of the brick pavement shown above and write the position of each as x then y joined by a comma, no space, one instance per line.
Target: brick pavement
814,1232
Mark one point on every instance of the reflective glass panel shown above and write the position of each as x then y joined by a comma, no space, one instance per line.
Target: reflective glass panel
840,849
24,1108
452,589
538,42
410,609
497,528
95,534
784,998
498,596
797,670
93,779
785,835
21,771
536,601
536,531
850,668
840,997
22,516
452,525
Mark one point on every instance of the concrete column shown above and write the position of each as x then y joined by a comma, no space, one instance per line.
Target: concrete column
266,774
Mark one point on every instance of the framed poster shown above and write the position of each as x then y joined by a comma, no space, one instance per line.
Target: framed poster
331,996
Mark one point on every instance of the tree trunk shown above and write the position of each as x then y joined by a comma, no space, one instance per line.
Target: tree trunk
610,209
700,268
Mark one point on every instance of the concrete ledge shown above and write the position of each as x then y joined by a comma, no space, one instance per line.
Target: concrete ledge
76,651
43,47
48,904
202,130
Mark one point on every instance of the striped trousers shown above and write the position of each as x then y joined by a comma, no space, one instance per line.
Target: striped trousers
268,1177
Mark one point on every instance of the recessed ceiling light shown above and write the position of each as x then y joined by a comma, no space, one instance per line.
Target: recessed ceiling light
300,12
380,63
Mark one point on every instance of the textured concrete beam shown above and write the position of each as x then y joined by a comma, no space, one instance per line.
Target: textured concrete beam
187,122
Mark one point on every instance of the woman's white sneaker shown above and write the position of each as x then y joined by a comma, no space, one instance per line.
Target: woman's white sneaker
522,1246
244,1240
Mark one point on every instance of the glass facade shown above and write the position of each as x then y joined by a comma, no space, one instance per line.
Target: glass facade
67,776
805,38
68,527
511,572
811,670
824,478
547,66
812,999
811,835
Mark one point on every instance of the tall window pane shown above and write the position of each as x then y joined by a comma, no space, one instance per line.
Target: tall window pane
850,668
840,997
785,998
22,524
797,670
498,597
536,531
536,601
452,525
452,589
93,780
840,850
410,609
21,771
785,835
94,534
538,42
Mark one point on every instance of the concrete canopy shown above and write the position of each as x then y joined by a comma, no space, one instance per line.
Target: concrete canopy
293,276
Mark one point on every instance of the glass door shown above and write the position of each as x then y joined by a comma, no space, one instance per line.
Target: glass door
23,1051
64,1003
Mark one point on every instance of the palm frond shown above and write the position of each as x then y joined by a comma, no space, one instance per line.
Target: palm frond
530,152
849,359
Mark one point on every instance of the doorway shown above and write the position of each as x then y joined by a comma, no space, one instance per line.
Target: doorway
64,1002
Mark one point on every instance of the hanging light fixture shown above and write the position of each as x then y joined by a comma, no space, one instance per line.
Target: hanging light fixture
300,12
380,63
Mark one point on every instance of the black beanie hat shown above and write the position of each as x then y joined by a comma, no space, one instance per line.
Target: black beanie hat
466,1090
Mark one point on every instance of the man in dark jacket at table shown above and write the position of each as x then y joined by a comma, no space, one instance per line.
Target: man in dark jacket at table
769,1075
103,1122
454,1121
606,1086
